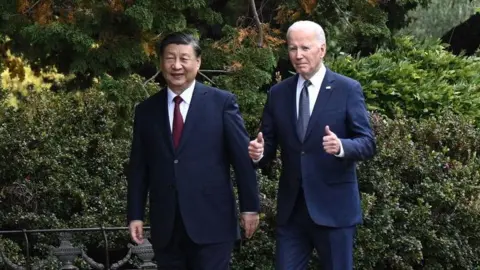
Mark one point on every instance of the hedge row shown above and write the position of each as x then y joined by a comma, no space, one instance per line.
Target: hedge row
64,155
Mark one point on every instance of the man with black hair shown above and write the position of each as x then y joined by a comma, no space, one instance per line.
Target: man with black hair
185,138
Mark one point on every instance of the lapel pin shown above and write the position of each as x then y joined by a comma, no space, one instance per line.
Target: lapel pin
328,87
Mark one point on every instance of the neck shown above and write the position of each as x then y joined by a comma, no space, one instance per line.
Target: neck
179,89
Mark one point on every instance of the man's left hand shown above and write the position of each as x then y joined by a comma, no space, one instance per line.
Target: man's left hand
250,223
331,143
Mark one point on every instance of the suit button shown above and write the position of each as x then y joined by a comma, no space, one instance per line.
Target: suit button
303,153
175,161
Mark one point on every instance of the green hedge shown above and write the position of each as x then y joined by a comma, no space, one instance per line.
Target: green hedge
63,159
420,193
418,79
420,197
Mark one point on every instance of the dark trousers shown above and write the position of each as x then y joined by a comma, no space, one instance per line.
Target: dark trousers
300,235
181,253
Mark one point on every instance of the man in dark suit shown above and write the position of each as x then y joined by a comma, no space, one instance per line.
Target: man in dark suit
184,140
320,121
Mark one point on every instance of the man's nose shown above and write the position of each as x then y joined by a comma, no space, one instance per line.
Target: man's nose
298,54
177,64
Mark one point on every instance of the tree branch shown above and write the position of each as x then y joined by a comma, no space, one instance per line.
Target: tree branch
199,72
214,71
206,77
257,22
149,80
32,7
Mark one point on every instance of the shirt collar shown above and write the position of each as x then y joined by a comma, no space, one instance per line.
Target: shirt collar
185,95
316,79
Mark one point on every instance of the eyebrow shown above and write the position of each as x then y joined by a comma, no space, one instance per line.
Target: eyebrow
181,55
295,46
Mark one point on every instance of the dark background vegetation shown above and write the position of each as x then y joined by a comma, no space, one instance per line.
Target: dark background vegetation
72,72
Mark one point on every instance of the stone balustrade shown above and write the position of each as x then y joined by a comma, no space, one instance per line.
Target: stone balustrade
66,253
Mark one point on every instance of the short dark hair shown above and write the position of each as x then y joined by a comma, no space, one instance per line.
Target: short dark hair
179,38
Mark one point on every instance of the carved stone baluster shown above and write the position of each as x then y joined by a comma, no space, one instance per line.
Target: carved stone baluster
144,251
66,252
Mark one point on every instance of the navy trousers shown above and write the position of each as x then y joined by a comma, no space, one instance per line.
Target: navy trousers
300,235
181,253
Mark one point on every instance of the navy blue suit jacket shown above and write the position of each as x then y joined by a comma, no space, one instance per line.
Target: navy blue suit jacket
329,183
213,138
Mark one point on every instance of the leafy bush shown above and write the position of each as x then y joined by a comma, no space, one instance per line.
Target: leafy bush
63,157
416,79
420,197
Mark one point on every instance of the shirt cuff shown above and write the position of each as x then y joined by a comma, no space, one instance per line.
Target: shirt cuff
341,154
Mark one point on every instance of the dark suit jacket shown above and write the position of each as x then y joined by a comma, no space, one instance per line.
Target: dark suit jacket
213,138
329,183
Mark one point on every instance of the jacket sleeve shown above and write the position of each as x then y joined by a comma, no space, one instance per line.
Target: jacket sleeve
137,175
237,140
361,145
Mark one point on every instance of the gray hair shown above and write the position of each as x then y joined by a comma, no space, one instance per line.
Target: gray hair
309,26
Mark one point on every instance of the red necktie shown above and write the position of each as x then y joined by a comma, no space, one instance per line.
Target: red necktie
177,126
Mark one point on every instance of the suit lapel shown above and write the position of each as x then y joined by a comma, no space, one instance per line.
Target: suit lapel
324,95
194,114
292,106
163,121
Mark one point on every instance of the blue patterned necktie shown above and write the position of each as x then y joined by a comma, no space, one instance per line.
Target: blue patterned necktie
303,111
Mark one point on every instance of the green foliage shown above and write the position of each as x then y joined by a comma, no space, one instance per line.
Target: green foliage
250,68
91,38
64,153
350,26
420,196
416,79
353,25
64,157
256,253
439,17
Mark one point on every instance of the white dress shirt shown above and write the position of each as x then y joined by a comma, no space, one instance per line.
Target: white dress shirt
184,105
313,91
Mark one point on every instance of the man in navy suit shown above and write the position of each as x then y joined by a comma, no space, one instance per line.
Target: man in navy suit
184,140
320,121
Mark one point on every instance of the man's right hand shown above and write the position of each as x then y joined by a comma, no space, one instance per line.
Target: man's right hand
136,231
255,148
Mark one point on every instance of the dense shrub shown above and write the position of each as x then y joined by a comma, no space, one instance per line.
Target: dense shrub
420,198
63,157
63,167
416,79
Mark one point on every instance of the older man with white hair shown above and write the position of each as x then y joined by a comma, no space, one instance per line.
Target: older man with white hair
319,120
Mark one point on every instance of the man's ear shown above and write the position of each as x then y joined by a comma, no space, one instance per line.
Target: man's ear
323,50
199,61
